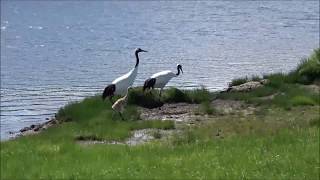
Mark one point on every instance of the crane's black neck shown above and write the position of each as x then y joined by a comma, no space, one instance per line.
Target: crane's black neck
137,59
178,71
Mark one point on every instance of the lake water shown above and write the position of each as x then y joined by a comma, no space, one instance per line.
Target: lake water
55,52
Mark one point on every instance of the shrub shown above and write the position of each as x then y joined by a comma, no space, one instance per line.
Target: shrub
276,79
174,95
311,67
199,95
147,100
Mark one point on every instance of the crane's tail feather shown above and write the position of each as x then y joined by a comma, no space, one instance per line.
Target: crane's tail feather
149,83
108,91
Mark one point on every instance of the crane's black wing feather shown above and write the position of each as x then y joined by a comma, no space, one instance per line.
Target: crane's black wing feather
149,83
108,91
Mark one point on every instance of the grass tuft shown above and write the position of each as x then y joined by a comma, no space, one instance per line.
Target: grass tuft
206,108
174,95
238,81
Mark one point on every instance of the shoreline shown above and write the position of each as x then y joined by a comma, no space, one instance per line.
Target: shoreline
38,128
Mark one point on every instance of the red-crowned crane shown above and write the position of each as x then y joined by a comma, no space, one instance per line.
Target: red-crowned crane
120,85
160,79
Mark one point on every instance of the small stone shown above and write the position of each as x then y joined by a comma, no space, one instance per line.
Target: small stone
245,87
53,121
24,129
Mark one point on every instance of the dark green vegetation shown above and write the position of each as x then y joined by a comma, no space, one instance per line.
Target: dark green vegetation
172,95
280,140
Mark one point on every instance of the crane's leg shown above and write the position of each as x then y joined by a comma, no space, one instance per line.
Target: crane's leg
121,116
160,93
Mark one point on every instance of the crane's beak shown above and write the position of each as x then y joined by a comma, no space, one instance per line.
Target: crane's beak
143,50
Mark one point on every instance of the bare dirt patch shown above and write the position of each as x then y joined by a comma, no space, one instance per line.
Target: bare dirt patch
185,113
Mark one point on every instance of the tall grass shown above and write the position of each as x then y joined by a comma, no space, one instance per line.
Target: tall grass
242,80
238,81
311,67
174,95
171,95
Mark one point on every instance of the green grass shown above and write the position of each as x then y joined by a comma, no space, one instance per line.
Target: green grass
174,95
302,100
252,148
206,108
279,141
92,118
286,154
283,95
271,144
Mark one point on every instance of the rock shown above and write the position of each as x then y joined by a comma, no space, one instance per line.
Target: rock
245,87
264,81
32,126
53,121
25,129
313,88
37,128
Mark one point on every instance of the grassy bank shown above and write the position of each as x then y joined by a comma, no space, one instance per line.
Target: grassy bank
280,140
287,89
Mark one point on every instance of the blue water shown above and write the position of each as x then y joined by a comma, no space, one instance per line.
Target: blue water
55,52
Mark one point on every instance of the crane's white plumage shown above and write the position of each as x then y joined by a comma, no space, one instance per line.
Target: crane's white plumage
125,81
160,79
120,85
